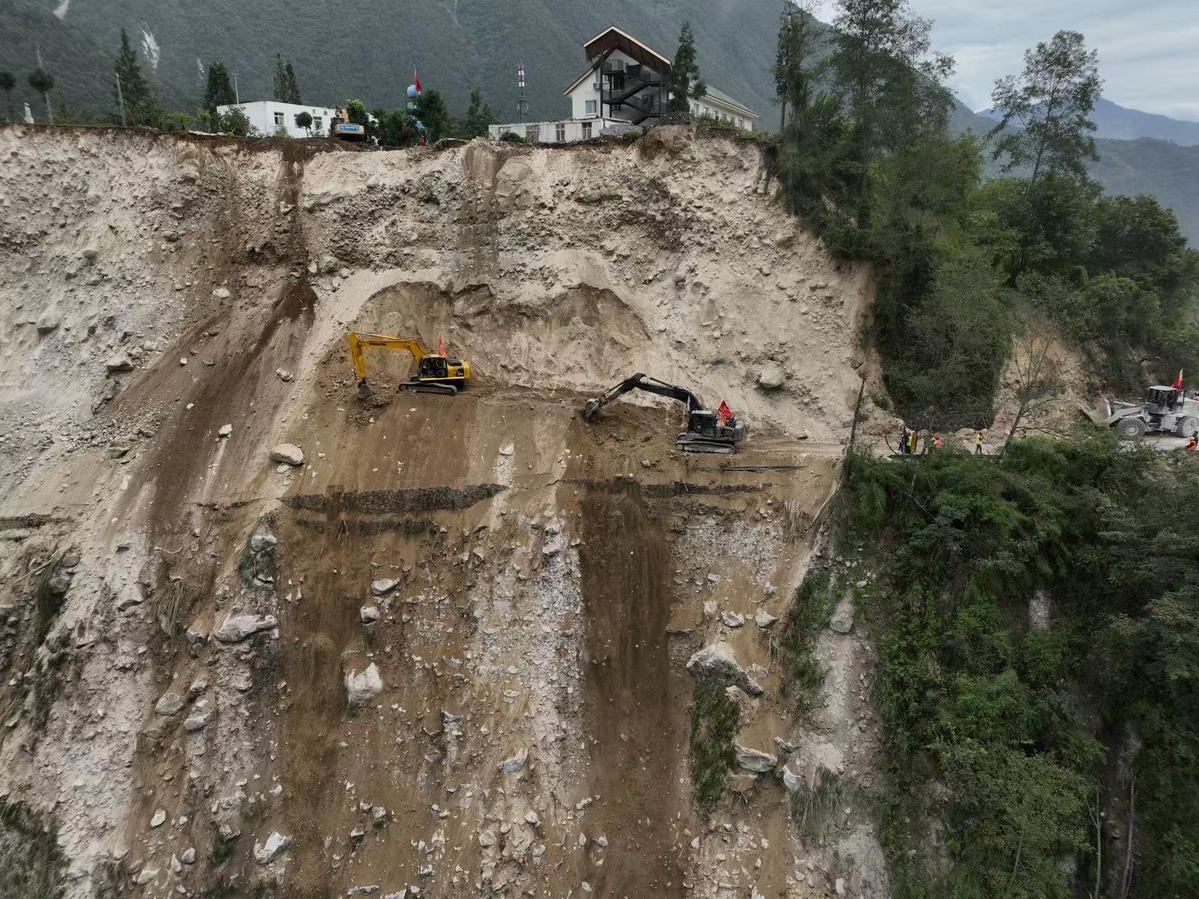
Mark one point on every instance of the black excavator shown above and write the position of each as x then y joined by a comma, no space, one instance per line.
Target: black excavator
707,431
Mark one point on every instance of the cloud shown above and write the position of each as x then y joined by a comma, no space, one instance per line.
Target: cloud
1147,54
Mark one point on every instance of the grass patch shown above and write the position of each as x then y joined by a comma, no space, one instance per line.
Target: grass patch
222,851
803,674
713,726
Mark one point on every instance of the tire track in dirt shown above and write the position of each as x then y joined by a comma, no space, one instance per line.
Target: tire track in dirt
633,699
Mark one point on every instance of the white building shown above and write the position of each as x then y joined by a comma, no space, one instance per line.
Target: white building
268,116
627,85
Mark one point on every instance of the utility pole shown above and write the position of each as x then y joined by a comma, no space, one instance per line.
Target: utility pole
236,95
121,100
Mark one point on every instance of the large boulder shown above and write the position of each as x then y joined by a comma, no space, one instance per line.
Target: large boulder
771,377
363,686
276,844
718,660
754,760
237,628
843,615
288,453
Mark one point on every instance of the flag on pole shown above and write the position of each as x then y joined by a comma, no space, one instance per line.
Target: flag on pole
724,411
1178,381
440,346
416,80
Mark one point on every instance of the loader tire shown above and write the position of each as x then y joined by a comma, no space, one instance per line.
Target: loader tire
1131,429
1187,425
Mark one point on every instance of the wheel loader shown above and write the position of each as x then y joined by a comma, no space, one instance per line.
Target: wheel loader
435,372
707,431
1166,410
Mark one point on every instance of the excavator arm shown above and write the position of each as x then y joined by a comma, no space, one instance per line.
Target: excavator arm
644,382
358,342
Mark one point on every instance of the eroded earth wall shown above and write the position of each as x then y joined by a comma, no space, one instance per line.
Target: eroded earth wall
453,652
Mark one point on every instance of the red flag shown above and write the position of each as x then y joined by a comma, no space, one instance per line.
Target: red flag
440,346
1178,381
724,411
416,79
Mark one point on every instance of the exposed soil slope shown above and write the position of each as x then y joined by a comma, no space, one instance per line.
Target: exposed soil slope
450,650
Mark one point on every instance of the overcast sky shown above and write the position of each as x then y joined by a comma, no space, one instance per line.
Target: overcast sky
1148,49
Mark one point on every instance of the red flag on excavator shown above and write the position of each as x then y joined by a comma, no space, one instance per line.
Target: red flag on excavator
1177,385
440,346
724,411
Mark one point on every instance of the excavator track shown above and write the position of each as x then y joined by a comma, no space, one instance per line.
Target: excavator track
430,387
688,443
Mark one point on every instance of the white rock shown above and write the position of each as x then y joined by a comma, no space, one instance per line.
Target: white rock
199,718
364,685
221,293
515,763
160,815
169,704
236,628
145,875
731,619
289,453
276,844
771,377
225,431
368,614
189,856
383,586
118,362
718,660
507,449
842,620
764,619
283,374
753,759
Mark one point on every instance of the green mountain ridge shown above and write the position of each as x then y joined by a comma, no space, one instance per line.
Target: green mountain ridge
368,48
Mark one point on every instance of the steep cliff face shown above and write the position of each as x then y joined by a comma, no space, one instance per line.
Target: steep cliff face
449,652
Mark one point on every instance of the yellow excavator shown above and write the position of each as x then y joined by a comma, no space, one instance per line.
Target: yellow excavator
435,372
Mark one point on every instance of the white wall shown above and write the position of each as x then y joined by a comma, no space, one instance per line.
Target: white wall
562,131
703,107
263,116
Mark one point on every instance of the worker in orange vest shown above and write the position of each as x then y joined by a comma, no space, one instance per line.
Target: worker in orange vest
1192,443
936,441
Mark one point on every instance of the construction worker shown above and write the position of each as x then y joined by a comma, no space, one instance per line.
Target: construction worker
936,441
1193,443
911,442
903,440
978,443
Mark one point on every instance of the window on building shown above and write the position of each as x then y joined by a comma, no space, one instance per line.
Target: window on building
560,132
531,132
278,120
586,131
589,107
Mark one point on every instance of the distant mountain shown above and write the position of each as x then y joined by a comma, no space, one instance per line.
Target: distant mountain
367,49
1116,122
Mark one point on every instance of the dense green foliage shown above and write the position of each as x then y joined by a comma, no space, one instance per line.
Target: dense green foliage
1020,726
958,261
713,725
1044,115
135,95
286,88
685,81
219,90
